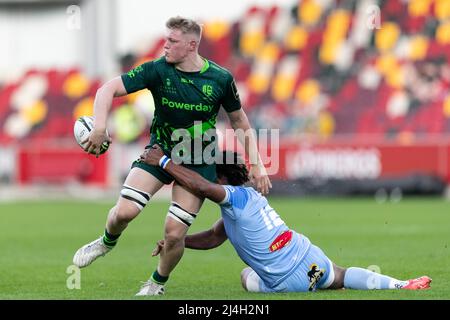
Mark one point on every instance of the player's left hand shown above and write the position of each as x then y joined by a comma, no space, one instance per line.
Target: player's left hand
158,248
259,178
151,156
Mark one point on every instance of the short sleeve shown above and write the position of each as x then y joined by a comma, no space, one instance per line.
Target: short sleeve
140,77
231,101
235,196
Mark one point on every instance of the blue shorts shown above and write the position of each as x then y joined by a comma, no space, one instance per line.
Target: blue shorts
314,272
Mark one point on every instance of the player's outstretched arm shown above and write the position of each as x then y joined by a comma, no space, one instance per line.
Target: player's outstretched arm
204,240
186,177
102,105
208,239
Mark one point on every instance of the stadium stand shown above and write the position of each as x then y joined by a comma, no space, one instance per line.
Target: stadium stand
315,68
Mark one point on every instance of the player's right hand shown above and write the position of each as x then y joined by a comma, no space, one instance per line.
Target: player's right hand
259,178
158,248
95,140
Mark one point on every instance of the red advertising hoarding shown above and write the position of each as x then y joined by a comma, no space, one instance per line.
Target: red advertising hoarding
359,161
54,164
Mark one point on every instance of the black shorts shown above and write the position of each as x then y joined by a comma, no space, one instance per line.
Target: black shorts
207,171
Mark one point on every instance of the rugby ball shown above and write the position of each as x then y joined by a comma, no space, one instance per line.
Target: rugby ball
82,129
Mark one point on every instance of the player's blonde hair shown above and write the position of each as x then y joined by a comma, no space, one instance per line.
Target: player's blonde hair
185,25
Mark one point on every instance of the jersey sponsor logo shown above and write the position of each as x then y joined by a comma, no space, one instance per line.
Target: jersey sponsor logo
184,80
132,73
207,89
281,241
168,83
314,275
186,106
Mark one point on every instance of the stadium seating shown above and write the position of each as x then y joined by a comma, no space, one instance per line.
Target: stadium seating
320,67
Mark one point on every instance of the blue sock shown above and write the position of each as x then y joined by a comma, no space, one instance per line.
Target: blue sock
363,279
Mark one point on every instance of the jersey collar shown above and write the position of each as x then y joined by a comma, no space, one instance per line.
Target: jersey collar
205,66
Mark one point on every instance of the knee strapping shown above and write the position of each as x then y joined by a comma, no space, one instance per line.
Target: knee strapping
178,213
138,197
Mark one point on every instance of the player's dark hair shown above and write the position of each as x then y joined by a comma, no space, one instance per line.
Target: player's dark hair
185,25
233,168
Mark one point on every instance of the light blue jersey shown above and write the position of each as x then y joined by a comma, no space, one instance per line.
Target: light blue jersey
259,235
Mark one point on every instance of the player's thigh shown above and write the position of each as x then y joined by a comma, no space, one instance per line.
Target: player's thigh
142,180
320,269
186,199
138,188
314,272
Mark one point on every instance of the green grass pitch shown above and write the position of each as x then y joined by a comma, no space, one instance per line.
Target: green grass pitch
38,240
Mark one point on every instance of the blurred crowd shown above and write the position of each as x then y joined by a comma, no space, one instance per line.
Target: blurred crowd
322,68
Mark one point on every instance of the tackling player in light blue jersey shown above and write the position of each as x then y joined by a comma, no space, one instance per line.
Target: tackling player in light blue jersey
261,238
279,259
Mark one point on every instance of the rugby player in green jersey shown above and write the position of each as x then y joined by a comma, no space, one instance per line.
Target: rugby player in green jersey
188,91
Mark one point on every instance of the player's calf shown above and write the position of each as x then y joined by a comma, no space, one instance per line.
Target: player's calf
177,223
130,204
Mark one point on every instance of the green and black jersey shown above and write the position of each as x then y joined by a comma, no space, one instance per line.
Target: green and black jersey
188,100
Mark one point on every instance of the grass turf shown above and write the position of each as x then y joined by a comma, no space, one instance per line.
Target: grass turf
38,240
